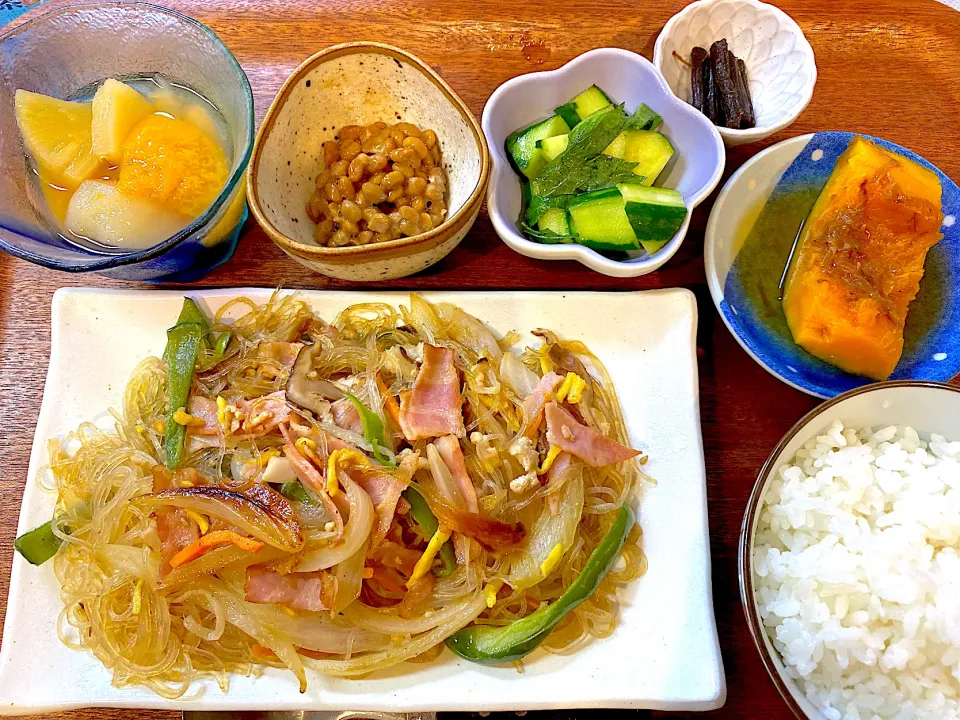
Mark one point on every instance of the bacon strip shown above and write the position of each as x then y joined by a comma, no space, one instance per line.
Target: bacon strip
310,477
449,448
302,591
415,599
205,409
560,465
538,397
257,421
492,534
432,408
586,443
384,490
345,415
174,527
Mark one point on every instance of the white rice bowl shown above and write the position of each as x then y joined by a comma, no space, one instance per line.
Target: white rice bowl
857,572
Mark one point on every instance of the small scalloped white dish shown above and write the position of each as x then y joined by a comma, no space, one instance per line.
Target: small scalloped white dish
779,60
626,77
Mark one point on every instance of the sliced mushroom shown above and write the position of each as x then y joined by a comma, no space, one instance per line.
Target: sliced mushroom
310,393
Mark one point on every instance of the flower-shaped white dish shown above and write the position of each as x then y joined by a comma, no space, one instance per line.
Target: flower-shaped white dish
626,77
780,64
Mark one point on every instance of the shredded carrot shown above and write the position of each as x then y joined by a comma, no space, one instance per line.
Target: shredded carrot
533,429
260,651
389,402
212,540
267,654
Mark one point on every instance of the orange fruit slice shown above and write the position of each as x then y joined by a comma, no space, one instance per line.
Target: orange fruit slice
172,163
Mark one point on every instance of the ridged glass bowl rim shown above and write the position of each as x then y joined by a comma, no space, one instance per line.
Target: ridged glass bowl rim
748,527
236,178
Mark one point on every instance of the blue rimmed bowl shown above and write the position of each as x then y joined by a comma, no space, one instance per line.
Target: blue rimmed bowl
73,47
797,169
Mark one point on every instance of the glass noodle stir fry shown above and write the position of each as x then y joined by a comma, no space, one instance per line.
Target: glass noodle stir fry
283,491
378,183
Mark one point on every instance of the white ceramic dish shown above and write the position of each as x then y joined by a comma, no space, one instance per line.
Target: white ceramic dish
926,407
780,63
628,78
664,653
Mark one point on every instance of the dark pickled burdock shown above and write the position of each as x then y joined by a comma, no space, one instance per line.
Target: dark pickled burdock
720,87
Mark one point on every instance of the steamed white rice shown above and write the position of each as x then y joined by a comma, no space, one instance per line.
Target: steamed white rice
857,572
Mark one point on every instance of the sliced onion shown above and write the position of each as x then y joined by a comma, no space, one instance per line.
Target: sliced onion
125,559
226,557
462,614
548,531
347,436
469,332
311,515
357,441
355,532
423,317
443,478
518,376
238,614
318,632
349,576
387,621
216,609
260,511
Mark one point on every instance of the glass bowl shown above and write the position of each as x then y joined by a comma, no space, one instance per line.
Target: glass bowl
63,51
928,407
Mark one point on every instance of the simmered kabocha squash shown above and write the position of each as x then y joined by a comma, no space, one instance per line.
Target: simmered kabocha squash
860,258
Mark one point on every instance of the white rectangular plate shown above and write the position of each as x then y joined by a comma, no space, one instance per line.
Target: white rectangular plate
664,652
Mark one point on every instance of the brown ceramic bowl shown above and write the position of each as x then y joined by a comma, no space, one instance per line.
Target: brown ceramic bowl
357,84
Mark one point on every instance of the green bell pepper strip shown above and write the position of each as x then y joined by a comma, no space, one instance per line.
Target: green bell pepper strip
424,517
38,545
373,430
183,343
220,346
492,645
191,313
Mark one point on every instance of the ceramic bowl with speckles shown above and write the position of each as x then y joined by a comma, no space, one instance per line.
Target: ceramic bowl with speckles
358,84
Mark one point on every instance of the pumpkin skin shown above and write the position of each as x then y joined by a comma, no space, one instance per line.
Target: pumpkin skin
860,257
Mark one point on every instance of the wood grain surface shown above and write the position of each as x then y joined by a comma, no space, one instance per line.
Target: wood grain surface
887,68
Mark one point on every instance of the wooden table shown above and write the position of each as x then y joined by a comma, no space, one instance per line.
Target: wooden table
886,68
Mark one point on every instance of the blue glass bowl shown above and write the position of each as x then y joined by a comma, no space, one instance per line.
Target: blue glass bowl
74,47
